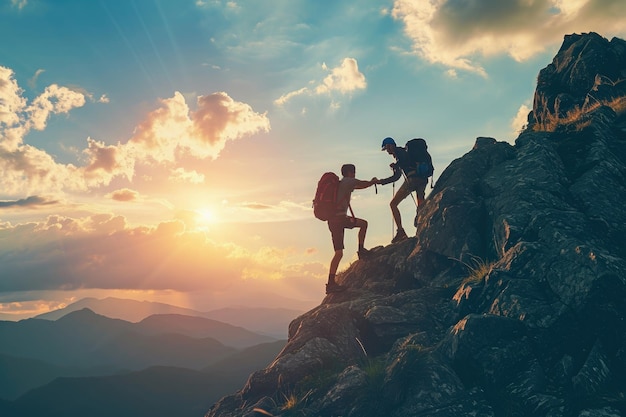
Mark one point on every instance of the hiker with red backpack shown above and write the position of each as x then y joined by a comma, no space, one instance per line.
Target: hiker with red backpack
415,163
331,204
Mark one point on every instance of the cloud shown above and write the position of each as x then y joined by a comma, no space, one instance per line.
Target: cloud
32,201
520,120
101,157
11,102
219,118
124,194
172,129
256,206
29,308
33,81
20,4
54,100
31,170
456,33
256,212
344,79
103,252
182,175
286,97
169,133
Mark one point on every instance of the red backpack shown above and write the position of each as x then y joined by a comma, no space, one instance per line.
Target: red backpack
325,201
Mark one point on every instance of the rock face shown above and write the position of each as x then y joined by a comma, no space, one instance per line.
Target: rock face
510,300
587,70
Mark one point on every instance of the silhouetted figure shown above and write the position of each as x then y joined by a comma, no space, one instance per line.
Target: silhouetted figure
338,223
416,165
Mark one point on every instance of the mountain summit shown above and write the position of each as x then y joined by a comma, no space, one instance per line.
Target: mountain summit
510,300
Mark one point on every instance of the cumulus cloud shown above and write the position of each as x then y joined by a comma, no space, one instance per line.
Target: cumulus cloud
11,102
30,170
173,129
455,33
101,157
54,100
344,79
166,135
219,118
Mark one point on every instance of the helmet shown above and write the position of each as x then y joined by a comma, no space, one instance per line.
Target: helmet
388,141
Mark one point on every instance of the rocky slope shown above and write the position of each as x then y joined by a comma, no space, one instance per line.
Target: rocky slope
510,300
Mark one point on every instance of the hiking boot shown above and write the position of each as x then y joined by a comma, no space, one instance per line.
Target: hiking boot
400,236
333,287
364,253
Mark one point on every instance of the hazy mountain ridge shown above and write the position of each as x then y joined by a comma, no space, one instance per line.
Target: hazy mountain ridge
269,321
18,375
510,299
82,343
83,338
155,392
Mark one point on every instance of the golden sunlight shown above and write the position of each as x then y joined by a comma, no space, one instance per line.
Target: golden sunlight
204,218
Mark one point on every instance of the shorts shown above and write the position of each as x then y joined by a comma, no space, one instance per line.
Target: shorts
337,226
416,184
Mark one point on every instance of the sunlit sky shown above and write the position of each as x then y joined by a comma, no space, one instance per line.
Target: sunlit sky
169,150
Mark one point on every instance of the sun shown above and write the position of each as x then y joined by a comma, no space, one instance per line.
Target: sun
204,218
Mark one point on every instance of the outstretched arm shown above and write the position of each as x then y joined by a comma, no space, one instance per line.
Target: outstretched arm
364,184
397,173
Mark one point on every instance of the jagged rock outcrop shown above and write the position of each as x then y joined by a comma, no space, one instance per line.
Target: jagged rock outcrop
587,70
510,300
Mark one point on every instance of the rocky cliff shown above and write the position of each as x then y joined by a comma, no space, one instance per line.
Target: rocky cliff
510,300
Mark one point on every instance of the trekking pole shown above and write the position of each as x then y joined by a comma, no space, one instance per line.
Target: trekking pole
411,193
393,193
414,201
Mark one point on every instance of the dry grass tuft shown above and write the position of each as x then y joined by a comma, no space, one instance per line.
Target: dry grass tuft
575,116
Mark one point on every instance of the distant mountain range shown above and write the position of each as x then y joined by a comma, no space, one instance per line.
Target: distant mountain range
154,392
130,358
88,340
82,343
273,322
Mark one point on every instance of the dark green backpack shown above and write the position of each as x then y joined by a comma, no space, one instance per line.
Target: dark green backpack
418,154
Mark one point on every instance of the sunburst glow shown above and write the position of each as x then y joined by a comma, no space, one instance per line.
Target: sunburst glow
205,218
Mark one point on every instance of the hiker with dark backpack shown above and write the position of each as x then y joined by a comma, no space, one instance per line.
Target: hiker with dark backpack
331,204
414,162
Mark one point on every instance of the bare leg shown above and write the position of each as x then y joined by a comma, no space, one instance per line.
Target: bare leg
334,264
395,212
362,225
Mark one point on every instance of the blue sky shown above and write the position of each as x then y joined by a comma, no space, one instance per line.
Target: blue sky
169,151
